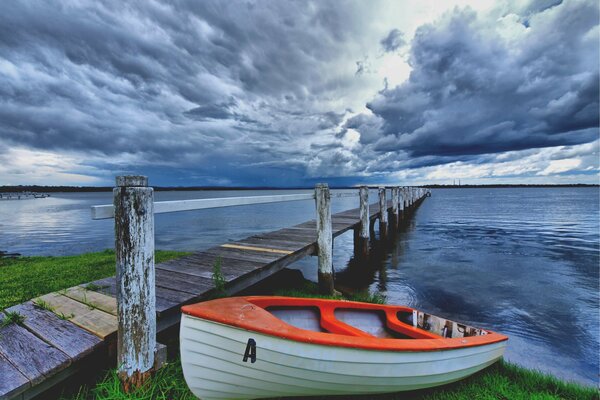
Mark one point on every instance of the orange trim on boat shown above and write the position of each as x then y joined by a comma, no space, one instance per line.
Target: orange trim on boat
250,313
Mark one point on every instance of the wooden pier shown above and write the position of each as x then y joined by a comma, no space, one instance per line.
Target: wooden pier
48,339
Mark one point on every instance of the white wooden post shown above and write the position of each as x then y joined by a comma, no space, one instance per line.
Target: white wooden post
136,300
362,246
383,220
324,238
395,215
401,197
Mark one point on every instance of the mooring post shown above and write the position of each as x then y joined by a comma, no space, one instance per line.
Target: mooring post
324,238
402,203
395,214
383,217
136,300
361,246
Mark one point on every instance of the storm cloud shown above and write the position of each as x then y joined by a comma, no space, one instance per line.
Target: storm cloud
261,93
475,89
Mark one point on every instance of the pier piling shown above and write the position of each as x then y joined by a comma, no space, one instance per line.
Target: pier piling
395,210
135,280
324,238
361,238
383,217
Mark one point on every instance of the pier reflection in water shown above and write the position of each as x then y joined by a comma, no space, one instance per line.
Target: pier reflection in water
523,262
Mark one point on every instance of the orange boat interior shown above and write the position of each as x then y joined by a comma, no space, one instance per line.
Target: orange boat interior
342,323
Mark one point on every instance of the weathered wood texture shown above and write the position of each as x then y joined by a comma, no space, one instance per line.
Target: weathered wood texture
324,238
12,382
361,239
95,321
136,297
62,334
383,210
18,345
92,298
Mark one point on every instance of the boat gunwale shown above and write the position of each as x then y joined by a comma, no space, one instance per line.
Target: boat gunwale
250,313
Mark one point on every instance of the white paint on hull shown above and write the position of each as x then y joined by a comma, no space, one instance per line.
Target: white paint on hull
211,355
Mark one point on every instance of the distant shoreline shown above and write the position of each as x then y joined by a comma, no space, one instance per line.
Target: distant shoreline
75,189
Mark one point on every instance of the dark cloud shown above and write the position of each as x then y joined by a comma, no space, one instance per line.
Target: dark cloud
393,41
167,79
472,91
243,91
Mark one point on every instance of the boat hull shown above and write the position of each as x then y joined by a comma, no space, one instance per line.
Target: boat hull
212,356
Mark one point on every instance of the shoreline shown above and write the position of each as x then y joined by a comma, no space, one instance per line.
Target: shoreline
81,265
96,189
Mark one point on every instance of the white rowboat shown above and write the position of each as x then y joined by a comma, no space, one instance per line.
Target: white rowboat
260,347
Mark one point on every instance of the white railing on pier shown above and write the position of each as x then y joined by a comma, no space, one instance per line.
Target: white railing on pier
106,211
160,207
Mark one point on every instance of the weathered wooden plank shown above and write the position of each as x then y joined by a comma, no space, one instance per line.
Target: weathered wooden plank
34,358
182,282
64,335
282,236
237,254
259,274
107,286
93,299
207,262
100,323
165,299
293,235
250,247
283,245
12,382
168,300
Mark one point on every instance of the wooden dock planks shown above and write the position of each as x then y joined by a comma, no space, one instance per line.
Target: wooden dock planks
75,342
93,299
31,356
13,382
100,323
82,319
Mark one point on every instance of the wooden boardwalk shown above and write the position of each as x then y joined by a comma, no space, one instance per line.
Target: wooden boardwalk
61,332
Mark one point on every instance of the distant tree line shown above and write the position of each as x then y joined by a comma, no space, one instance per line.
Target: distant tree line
52,189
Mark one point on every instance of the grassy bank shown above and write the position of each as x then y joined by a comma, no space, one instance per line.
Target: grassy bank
500,381
24,278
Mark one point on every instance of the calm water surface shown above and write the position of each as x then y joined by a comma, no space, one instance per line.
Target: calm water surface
524,262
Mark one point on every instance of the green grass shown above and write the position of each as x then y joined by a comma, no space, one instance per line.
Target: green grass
24,278
500,381
11,317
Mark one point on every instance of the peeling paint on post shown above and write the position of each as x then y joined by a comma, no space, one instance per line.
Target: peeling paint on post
401,197
361,248
136,302
383,217
324,238
395,214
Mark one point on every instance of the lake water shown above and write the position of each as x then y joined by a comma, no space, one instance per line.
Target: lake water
524,262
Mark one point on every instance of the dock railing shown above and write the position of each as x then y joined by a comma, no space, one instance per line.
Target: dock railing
133,209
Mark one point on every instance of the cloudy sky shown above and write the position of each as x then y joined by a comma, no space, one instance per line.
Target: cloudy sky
288,93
